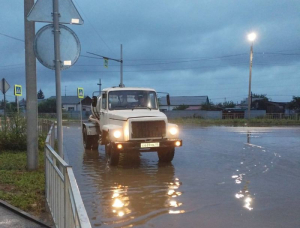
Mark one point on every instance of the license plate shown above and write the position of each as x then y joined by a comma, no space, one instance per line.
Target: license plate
147,145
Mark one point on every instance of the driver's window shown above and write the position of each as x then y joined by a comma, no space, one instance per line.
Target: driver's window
152,100
104,100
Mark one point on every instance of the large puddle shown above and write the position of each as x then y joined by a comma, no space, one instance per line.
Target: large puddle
221,177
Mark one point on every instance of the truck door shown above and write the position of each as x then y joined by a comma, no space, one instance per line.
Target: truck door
103,110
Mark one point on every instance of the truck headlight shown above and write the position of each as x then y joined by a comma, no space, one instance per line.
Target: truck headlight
173,130
117,134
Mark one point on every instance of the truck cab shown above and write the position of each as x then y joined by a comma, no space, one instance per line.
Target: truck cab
127,120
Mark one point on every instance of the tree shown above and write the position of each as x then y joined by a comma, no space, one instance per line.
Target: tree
181,107
40,94
47,106
210,107
254,95
10,106
226,104
294,104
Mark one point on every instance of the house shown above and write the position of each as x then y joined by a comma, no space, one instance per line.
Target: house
194,102
269,106
244,103
72,103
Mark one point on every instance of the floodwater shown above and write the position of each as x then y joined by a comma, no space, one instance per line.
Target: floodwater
221,177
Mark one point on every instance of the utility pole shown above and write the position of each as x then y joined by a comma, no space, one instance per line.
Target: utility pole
121,68
250,76
65,91
31,88
251,38
99,84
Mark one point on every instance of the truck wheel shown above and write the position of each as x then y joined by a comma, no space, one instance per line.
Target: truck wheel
95,142
112,155
87,141
107,149
166,155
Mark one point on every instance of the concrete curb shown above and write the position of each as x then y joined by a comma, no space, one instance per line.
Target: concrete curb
22,213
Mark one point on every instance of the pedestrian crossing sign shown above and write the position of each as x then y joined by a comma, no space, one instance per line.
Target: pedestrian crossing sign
80,92
18,90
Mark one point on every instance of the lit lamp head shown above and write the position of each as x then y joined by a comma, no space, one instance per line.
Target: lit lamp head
252,36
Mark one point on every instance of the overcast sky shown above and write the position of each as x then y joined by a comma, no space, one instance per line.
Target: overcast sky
182,47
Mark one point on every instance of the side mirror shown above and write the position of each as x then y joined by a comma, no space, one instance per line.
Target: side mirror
168,100
94,101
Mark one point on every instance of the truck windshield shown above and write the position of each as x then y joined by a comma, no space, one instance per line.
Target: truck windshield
132,99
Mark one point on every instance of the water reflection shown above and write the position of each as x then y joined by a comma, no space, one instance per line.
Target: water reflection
132,193
244,195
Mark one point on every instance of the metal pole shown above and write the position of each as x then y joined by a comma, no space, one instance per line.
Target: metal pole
81,113
3,89
121,70
99,85
31,88
17,103
250,71
56,16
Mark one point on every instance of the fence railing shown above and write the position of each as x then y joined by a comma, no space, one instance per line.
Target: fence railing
295,116
233,116
62,193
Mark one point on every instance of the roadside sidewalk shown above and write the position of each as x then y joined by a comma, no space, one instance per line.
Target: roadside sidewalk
11,216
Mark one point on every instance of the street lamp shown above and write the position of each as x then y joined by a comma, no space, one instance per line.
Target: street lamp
251,38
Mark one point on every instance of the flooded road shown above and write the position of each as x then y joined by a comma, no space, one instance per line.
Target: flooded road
221,177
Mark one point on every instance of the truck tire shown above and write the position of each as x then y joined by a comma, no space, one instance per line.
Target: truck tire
87,144
89,141
95,144
166,155
112,156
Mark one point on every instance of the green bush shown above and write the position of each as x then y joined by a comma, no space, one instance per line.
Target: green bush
13,135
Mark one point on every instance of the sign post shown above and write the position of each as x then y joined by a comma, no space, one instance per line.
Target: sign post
4,86
18,93
80,94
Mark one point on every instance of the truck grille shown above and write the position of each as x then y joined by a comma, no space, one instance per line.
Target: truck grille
148,129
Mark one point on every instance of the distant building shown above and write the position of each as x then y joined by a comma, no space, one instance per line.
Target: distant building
194,102
265,104
244,103
72,103
269,106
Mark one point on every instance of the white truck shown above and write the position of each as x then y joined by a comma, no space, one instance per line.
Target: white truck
128,120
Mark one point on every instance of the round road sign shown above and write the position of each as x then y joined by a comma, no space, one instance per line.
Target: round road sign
44,47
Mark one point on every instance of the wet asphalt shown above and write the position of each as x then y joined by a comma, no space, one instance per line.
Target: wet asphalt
220,177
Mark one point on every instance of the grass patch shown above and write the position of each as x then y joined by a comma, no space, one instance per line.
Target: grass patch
19,187
237,122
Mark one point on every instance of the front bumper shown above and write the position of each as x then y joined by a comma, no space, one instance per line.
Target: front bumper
136,145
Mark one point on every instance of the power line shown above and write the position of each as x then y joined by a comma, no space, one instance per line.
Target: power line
172,62
13,65
93,26
275,53
12,37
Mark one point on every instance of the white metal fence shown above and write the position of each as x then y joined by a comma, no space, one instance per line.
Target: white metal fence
62,193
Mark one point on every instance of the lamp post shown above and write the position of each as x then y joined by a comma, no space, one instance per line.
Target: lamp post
251,38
